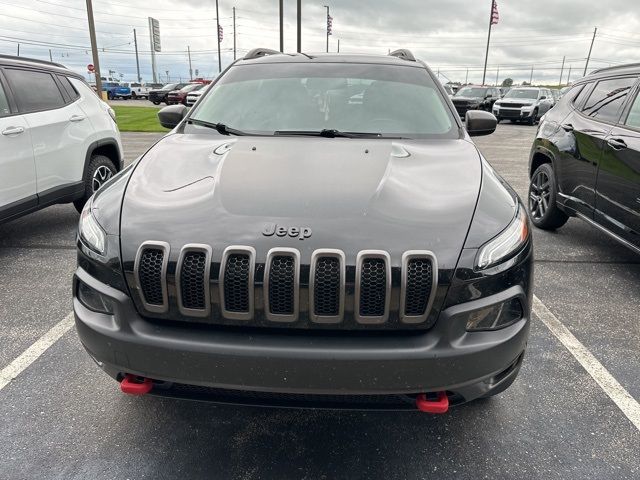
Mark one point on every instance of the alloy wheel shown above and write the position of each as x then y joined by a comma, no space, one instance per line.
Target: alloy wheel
539,195
100,176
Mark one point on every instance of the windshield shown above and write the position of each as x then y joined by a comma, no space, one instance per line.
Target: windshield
170,86
381,100
522,93
191,87
472,92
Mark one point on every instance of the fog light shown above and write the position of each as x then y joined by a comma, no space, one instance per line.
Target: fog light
496,316
94,300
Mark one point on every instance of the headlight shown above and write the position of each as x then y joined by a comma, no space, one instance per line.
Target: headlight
112,113
507,243
90,231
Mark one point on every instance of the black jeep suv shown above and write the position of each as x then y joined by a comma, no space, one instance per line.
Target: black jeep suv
319,230
471,97
585,160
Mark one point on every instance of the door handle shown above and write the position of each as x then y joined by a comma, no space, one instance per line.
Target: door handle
567,127
13,131
77,118
617,143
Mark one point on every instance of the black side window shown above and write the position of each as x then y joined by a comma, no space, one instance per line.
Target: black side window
34,91
607,99
68,87
580,93
4,104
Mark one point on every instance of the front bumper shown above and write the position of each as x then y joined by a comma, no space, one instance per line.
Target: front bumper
513,113
445,358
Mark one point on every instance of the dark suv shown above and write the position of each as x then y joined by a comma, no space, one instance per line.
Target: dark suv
585,160
318,230
160,95
472,97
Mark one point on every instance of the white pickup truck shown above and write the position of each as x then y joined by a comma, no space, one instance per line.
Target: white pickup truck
141,90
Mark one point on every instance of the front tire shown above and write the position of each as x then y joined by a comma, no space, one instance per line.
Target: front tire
534,117
156,102
543,193
99,171
134,95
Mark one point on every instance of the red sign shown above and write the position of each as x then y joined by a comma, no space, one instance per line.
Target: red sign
91,68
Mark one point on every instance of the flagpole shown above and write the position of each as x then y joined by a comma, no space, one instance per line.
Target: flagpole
486,56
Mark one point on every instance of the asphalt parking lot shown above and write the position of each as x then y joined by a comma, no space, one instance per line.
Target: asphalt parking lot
63,418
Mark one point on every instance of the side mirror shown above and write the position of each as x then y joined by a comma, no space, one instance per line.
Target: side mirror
172,115
543,97
478,123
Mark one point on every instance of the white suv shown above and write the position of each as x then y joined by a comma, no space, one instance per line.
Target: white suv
59,141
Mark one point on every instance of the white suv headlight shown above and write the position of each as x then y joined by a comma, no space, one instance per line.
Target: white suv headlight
90,231
506,243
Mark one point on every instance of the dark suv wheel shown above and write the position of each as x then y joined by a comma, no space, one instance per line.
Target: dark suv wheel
543,192
100,170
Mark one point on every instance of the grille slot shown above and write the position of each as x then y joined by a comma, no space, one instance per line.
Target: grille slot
282,284
150,270
192,280
373,286
418,287
327,286
236,282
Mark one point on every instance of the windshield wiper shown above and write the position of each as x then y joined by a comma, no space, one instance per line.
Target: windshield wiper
328,133
221,128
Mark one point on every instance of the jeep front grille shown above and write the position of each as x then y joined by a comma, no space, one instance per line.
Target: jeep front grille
151,267
280,289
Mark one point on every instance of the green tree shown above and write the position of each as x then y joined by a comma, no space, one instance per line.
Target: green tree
507,82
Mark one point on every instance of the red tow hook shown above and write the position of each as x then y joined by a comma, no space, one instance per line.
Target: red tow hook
439,405
134,385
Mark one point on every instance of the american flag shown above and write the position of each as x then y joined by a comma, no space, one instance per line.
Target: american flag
495,16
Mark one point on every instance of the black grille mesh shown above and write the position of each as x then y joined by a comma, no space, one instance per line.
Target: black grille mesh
419,284
373,287
236,283
192,281
150,274
326,295
281,285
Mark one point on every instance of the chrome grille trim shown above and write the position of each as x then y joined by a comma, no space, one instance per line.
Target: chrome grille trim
242,250
332,253
406,258
195,312
295,254
164,246
371,319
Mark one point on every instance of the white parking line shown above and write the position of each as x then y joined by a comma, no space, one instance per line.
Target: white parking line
32,353
629,406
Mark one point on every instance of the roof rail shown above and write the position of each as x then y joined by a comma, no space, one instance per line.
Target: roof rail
259,52
404,54
617,67
31,60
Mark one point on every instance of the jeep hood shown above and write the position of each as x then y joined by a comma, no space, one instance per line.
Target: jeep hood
354,194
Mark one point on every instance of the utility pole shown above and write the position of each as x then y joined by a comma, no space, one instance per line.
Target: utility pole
466,79
281,7
190,69
327,27
531,78
18,49
50,56
586,65
234,33
486,55
497,75
569,77
338,45
94,48
218,33
299,21
562,70
135,42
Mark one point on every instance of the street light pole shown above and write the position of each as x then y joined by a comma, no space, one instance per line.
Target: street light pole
234,33
94,47
135,42
562,70
190,69
218,33
281,25
327,27
299,21
586,65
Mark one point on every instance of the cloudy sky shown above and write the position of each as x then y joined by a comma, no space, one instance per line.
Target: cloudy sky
449,35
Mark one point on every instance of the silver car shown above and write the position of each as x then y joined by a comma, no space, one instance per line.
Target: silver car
526,104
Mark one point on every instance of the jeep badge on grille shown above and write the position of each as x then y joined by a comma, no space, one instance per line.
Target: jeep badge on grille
282,231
